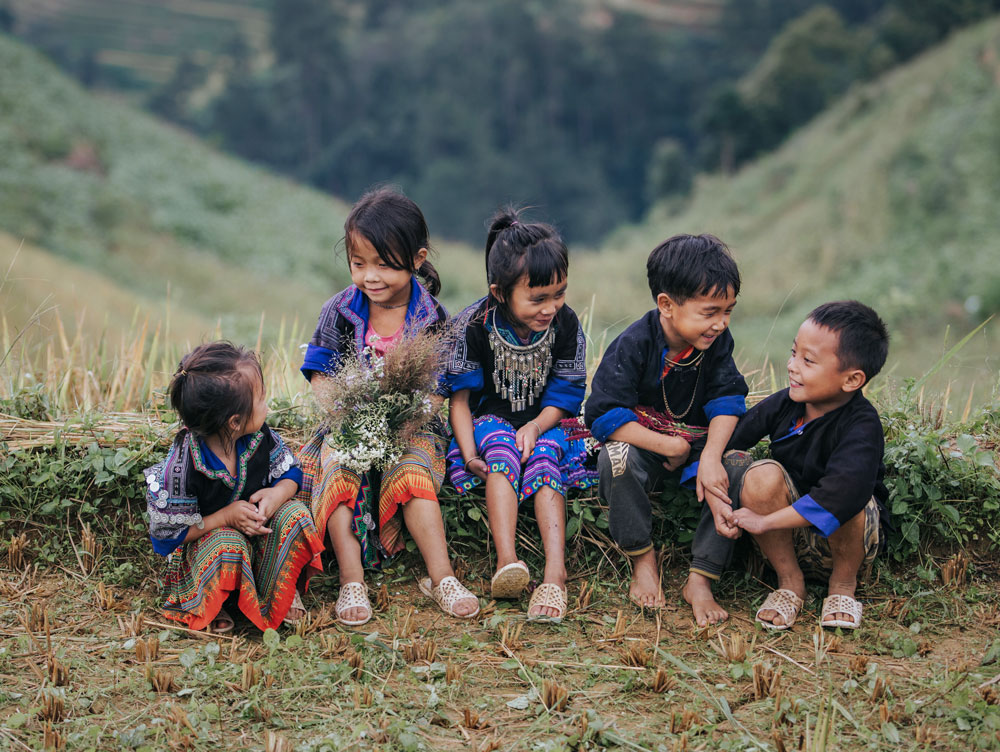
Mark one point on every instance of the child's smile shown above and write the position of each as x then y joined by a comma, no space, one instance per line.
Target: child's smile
696,322
534,308
815,375
382,284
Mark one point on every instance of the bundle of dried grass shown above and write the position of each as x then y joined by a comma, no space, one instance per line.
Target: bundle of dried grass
374,405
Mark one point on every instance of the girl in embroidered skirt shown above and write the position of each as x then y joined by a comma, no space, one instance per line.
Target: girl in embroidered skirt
386,239
519,367
220,505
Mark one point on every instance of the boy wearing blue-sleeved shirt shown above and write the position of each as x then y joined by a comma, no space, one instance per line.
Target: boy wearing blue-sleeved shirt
675,363
826,443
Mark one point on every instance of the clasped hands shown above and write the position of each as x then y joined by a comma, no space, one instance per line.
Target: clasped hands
250,517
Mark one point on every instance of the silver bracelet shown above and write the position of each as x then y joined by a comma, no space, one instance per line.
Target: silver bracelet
537,427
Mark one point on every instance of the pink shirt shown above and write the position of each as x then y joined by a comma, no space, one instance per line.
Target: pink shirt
380,344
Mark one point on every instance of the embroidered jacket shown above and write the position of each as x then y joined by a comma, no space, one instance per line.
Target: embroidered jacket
343,322
834,460
192,483
472,364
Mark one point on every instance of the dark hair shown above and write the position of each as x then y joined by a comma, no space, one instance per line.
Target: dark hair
211,385
515,248
397,230
863,337
688,265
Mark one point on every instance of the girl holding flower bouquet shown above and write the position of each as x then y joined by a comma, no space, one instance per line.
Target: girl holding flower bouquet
365,362
517,369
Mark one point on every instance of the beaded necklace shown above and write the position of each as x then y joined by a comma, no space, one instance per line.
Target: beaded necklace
695,361
520,371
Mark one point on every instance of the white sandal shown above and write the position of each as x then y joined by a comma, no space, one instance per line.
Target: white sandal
786,603
447,593
353,595
510,580
291,621
841,604
548,595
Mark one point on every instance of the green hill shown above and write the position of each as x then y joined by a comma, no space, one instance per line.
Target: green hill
890,197
159,213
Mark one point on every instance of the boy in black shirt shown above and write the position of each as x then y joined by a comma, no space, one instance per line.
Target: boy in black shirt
676,365
826,442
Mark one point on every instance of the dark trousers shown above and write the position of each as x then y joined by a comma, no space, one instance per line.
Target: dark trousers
628,475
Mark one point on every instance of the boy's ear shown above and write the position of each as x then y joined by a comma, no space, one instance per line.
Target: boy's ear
854,379
234,424
665,304
495,292
420,258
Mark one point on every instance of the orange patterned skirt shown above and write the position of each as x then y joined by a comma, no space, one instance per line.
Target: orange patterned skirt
264,569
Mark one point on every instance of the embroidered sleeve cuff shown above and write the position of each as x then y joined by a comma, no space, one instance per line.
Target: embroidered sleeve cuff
318,360
819,517
166,546
610,422
566,395
471,380
293,474
731,405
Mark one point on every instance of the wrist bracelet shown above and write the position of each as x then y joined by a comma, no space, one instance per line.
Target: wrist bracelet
473,457
537,427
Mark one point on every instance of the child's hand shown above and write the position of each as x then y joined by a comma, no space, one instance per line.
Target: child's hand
246,518
525,439
477,466
269,500
676,450
712,481
725,519
753,523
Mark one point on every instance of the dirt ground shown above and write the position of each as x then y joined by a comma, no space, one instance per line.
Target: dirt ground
90,665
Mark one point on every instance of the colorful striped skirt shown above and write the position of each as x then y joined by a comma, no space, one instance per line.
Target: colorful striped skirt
263,569
375,498
556,461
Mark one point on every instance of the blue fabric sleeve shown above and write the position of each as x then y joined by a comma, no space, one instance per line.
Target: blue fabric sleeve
689,475
819,517
731,405
610,422
471,380
293,474
318,360
166,546
564,394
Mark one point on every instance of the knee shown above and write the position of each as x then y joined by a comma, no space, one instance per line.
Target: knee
615,461
764,489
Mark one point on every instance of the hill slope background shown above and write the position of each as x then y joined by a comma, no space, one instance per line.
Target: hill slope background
889,197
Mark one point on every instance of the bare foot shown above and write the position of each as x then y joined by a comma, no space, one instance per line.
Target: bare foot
697,592
645,589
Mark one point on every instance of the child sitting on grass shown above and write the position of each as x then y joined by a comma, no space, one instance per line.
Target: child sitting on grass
826,441
220,504
674,364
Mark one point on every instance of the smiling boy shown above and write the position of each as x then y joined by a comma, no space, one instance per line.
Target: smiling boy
676,364
826,441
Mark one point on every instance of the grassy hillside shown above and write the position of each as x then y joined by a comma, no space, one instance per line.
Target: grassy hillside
105,187
890,196
117,31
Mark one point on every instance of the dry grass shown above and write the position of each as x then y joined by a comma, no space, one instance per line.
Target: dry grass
495,683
